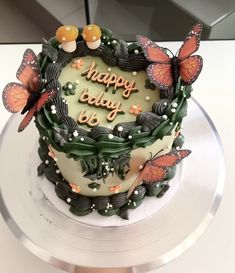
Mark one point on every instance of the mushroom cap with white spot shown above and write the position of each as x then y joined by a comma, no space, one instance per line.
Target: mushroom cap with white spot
66,33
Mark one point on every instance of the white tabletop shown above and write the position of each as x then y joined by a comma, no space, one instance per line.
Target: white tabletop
215,91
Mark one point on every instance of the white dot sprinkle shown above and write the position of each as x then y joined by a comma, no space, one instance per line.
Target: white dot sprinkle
53,111
75,133
54,62
110,136
134,73
182,88
44,138
136,51
130,136
177,148
136,192
68,200
104,37
59,46
52,107
94,189
70,86
164,117
47,162
109,69
108,43
106,210
174,104
114,42
120,129
171,123
112,169
57,171
173,110
138,131
70,139
82,138
140,167
165,103
147,98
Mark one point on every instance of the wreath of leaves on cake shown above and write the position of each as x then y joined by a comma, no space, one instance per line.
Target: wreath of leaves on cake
105,205
66,135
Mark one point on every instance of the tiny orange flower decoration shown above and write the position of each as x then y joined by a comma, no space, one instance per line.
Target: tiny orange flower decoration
77,63
116,188
51,153
135,109
75,188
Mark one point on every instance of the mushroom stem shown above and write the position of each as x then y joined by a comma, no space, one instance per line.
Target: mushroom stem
94,45
69,46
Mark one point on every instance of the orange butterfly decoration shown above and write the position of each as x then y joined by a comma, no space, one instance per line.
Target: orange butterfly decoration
155,169
164,70
26,96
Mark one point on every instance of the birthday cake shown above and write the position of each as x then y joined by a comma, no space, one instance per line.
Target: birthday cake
108,113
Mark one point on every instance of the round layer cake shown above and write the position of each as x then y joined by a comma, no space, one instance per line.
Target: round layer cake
106,121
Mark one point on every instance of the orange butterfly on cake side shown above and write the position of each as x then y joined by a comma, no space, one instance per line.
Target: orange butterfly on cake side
155,169
27,95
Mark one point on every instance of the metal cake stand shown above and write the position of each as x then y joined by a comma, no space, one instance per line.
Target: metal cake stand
74,246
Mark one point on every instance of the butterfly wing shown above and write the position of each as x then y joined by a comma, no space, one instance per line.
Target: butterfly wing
161,75
45,96
190,68
170,159
191,43
149,174
152,51
152,173
15,96
29,71
27,118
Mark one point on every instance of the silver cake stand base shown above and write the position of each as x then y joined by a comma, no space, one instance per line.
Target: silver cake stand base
75,246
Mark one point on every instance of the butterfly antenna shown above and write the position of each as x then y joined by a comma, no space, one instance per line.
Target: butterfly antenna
44,40
168,50
157,153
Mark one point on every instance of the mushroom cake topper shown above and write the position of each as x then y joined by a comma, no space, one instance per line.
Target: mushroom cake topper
27,95
92,34
67,36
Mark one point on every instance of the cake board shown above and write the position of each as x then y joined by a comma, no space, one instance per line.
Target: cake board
69,244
